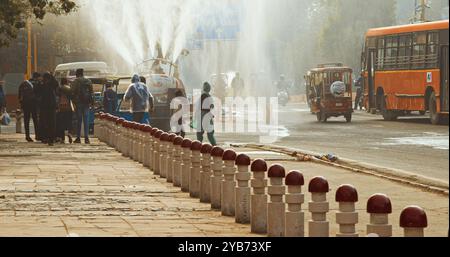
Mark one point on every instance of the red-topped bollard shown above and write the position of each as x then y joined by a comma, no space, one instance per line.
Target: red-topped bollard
186,164
142,141
228,183
243,190
126,139
258,200
135,141
147,146
205,175
216,179
276,208
177,161
347,217
156,164
170,157
295,217
319,206
151,150
163,154
118,136
413,220
379,206
194,175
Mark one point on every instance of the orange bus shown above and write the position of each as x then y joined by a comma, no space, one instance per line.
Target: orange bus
405,69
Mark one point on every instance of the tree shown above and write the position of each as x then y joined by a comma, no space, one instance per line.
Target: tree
15,13
342,35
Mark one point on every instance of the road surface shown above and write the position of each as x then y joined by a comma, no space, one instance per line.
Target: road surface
411,144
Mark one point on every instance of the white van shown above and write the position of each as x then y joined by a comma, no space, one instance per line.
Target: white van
91,70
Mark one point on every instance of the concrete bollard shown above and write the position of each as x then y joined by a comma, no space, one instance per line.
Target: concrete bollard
141,143
125,139
216,178
242,190
205,174
194,175
147,146
144,146
295,217
276,208
151,148
176,165
118,133
347,217
413,220
163,155
227,203
185,164
258,200
379,207
134,141
169,160
156,146
123,134
318,206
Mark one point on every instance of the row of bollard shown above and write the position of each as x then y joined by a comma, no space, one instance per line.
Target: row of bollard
251,192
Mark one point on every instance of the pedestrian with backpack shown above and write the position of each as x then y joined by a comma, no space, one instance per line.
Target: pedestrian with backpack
140,97
83,98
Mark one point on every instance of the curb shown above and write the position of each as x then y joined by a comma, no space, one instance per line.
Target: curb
401,176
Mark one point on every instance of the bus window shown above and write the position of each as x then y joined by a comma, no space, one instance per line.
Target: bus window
419,50
432,50
380,54
390,60
404,51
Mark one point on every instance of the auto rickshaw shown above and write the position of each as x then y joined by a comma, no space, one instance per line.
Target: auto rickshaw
329,91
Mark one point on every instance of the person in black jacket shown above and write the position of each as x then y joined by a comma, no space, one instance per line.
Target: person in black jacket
48,107
205,121
28,99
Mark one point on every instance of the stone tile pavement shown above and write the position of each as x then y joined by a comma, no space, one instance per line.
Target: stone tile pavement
94,191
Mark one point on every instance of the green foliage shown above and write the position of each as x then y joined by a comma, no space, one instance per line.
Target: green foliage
342,35
14,14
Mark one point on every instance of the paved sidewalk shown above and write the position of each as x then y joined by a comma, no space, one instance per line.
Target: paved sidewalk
94,191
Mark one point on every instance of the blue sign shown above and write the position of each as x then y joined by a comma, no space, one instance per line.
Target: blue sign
219,24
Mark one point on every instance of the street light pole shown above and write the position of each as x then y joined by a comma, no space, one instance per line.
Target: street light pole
35,53
423,6
29,50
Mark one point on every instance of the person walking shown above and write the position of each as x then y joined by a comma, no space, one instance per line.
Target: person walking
83,98
359,93
109,100
64,113
238,85
28,104
139,96
205,122
48,107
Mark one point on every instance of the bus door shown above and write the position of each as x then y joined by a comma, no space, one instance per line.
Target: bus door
371,78
444,79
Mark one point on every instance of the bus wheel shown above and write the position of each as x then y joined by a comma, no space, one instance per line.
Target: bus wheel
387,115
434,115
348,117
422,113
